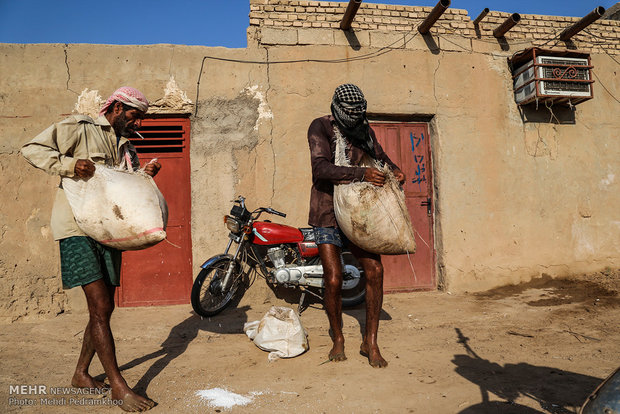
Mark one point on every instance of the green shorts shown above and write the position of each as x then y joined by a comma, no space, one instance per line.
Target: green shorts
83,260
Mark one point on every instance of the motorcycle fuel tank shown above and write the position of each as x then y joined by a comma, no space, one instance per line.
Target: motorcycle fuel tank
272,233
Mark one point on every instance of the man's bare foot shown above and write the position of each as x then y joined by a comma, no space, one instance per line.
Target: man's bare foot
374,356
132,401
337,352
86,381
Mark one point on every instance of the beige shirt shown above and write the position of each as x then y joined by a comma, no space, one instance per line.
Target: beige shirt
57,149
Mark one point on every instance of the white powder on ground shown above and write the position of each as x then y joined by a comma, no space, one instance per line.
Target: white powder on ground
219,397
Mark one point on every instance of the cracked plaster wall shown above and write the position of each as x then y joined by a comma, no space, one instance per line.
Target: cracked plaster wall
220,162
513,208
518,192
42,88
513,198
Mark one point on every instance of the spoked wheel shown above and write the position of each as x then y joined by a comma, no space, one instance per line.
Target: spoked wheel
353,281
208,294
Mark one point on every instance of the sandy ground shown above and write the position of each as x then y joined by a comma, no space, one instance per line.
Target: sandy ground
539,347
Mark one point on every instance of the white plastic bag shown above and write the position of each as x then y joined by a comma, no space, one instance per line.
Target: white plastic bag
279,331
119,208
374,218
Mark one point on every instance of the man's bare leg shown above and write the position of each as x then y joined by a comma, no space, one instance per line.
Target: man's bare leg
374,301
100,299
332,274
81,377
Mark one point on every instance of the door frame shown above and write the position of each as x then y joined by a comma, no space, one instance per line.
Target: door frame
427,122
151,120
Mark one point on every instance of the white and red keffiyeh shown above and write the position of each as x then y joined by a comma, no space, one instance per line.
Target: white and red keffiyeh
127,95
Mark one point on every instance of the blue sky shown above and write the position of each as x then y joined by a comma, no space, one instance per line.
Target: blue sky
199,22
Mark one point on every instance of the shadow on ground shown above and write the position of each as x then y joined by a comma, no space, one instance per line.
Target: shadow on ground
178,340
560,291
231,321
554,390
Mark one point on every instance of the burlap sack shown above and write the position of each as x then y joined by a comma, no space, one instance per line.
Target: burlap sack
280,332
118,208
374,218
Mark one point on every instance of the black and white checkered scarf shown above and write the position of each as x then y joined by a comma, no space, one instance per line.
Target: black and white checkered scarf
349,111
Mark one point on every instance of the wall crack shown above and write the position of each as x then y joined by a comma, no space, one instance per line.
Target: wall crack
435,81
273,151
68,71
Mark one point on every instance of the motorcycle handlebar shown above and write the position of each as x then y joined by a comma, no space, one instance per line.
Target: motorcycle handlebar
272,211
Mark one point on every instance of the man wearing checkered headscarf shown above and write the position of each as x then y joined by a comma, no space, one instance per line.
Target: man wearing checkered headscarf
349,111
71,148
347,119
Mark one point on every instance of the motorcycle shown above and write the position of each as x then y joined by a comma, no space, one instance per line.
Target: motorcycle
281,254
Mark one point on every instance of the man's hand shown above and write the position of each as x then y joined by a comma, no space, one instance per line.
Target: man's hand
374,176
152,168
84,168
400,176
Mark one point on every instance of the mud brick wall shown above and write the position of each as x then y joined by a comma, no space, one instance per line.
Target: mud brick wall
297,22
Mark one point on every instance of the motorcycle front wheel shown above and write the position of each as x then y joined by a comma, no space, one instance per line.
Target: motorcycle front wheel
208,295
353,281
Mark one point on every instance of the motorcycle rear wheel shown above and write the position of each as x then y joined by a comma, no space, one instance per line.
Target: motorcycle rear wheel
208,298
357,294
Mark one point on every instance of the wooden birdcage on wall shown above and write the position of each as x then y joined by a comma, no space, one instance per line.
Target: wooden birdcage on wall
551,76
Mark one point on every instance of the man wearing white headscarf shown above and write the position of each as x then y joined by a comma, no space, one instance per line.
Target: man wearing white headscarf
71,148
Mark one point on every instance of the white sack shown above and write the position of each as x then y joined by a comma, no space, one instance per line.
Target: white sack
118,208
279,331
373,218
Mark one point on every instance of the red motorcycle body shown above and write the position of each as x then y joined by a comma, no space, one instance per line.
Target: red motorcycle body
281,254
267,233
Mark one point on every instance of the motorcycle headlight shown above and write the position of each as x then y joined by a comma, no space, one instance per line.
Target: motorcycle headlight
232,224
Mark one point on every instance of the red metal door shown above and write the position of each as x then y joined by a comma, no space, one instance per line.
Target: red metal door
162,274
407,145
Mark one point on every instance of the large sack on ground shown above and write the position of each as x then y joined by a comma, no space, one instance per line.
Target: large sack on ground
280,331
118,208
374,218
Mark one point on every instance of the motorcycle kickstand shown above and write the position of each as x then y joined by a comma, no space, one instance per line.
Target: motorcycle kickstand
300,307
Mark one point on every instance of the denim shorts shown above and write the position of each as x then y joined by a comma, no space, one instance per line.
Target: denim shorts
330,235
